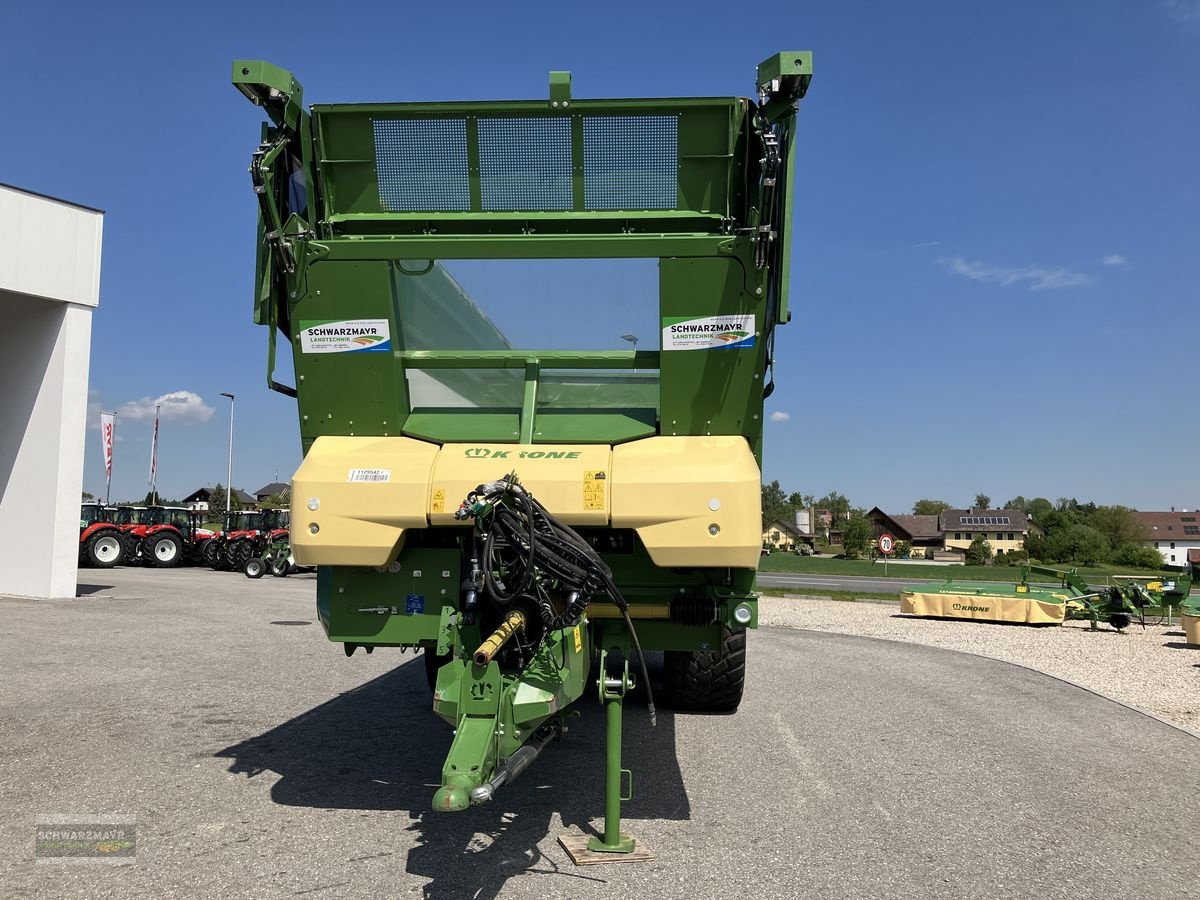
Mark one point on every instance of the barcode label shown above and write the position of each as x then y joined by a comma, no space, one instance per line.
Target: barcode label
370,475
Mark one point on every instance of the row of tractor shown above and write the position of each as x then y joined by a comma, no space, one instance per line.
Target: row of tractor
251,541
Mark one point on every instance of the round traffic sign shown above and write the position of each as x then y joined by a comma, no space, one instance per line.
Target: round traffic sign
886,543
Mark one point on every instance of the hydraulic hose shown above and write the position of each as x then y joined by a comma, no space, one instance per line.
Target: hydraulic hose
523,551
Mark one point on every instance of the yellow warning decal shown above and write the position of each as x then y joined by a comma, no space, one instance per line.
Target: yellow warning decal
439,500
593,489
578,640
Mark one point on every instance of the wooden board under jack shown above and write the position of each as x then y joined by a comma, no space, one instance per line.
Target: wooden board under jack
576,846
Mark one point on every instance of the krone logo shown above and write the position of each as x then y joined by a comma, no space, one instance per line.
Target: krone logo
477,452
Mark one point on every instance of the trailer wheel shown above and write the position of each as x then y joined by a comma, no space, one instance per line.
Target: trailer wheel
104,550
254,567
163,551
1120,621
708,680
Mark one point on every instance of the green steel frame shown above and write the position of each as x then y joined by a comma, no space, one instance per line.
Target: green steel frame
350,193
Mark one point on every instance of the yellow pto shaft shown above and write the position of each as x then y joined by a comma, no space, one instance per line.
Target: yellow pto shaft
513,623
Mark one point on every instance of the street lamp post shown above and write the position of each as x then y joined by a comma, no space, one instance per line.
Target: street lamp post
229,471
632,338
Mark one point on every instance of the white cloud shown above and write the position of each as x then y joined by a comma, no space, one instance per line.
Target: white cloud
778,416
1115,259
178,406
1039,279
1183,10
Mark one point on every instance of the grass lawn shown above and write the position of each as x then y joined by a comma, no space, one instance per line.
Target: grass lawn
809,565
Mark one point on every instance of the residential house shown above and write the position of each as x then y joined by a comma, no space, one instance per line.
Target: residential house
781,535
202,495
1175,535
1004,529
921,533
274,489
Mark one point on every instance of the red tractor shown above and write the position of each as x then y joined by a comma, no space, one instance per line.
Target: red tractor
272,526
132,522
173,536
101,543
237,526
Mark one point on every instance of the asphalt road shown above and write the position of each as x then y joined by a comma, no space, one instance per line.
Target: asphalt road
259,762
870,584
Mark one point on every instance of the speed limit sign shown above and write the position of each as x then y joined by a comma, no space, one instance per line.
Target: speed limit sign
885,544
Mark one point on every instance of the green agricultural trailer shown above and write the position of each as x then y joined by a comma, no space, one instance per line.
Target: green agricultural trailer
533,520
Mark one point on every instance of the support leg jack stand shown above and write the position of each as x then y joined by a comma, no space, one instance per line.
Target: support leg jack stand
613,846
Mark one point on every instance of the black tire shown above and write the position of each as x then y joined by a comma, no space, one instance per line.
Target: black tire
163,551
238,552
133,549
1120,621
254,567
214,553
708,680
105,550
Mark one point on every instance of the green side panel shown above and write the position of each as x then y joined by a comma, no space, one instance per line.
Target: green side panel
343,393
710,391
364,606
587,426
451,426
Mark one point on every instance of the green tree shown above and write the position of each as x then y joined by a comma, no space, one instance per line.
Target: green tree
983,501
929,507
1081,544
1037,508
979,553
88,496
774,504
857,536
836,503
216,500
1137,556
1118,524
902,550
797,500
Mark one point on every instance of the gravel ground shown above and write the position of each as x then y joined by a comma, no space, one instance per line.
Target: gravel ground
1152,669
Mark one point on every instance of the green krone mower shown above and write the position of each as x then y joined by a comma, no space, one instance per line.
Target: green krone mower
534,520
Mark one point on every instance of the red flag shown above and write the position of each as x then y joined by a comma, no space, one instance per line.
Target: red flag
106,435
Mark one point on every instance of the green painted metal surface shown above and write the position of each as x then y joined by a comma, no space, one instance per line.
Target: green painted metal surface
359,207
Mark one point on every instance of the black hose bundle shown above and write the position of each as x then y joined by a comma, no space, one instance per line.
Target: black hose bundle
525,553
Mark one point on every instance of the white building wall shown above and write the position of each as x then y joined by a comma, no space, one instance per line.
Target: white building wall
1176,556
49,284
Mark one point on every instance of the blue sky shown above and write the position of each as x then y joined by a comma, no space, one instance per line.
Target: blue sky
994,272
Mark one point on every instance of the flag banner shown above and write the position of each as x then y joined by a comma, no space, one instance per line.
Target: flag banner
107,423
154,452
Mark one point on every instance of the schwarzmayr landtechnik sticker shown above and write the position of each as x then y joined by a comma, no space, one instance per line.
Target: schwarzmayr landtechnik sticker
708,333
345,336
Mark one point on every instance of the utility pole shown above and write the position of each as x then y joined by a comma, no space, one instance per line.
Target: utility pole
229,470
